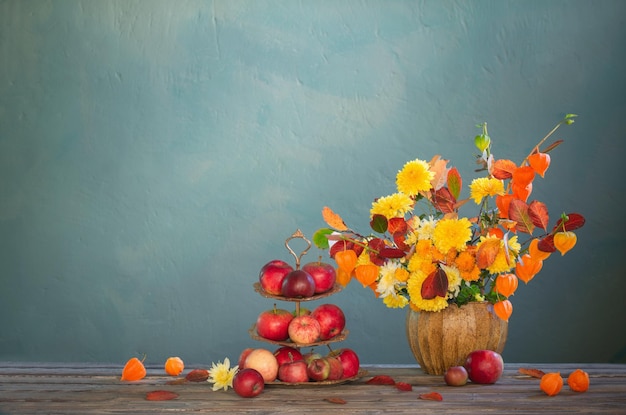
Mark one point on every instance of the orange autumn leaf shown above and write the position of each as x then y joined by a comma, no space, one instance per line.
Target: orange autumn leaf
381,380
539,162
366,274
538,213
133,370
535,373
487,253
503,309
346,260
431,396
333,220
503,169
161,395
404,386
335,399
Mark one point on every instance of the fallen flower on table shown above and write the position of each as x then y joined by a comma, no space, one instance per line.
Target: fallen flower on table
535,373
161,395
335,400
431,396
198,375
381,380
221,375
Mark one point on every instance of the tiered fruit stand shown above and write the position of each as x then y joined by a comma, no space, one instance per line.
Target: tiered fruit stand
297,301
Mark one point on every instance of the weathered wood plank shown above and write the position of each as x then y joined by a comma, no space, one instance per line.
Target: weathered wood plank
92,388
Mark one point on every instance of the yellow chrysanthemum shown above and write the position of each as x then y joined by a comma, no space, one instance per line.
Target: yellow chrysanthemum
414,177
414,288
392,206
485,186
395,301
387,282
221,375
452,234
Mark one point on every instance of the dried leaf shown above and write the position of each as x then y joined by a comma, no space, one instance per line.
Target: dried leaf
403,386
435,285
535,373
381,380
443,200
197,375
332,219
161,395
336,400
431,396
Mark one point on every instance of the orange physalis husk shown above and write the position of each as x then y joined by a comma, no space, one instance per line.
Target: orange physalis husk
551,383
506,284
523,176
502,203
343,277
578,381
503,309
346,260
527,267
564,241
333,220
174,366
503,169
539,162
521,192
366,274
497,232
536,253
133,370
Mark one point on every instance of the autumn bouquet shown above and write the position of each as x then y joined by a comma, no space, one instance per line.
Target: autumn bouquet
425,254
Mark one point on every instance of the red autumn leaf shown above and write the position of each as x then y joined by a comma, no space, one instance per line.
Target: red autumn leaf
455,183
574,221
376,245
392,253
381,380
546,244
397,225
538,213
535,373
161,395
518,212
403,386
197,375
431,396
503,169
336,400
435,285
443,200
400,239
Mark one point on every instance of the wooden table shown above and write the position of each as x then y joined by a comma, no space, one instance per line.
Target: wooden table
28,388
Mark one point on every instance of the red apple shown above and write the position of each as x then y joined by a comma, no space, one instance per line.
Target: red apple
293,372
286,354
349,361
455,376
304,330
310,356
336,369
243,355
248,383
272,275
318,369
323,274
298,284
274,324
484,366
263,361
331,318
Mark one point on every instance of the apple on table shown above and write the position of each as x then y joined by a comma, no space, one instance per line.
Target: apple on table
248,383
349,361
484,366
263,361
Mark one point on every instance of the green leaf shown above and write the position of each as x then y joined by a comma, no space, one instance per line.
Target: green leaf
379,223
319,238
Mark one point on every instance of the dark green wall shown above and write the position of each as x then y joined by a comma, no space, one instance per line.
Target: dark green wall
154,154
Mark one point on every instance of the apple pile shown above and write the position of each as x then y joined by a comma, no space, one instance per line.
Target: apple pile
288,364
279,278
323,323
480,366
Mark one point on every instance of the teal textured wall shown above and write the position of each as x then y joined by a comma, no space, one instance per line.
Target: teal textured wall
154,154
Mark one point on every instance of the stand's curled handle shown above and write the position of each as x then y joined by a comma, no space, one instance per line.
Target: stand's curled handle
300,235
